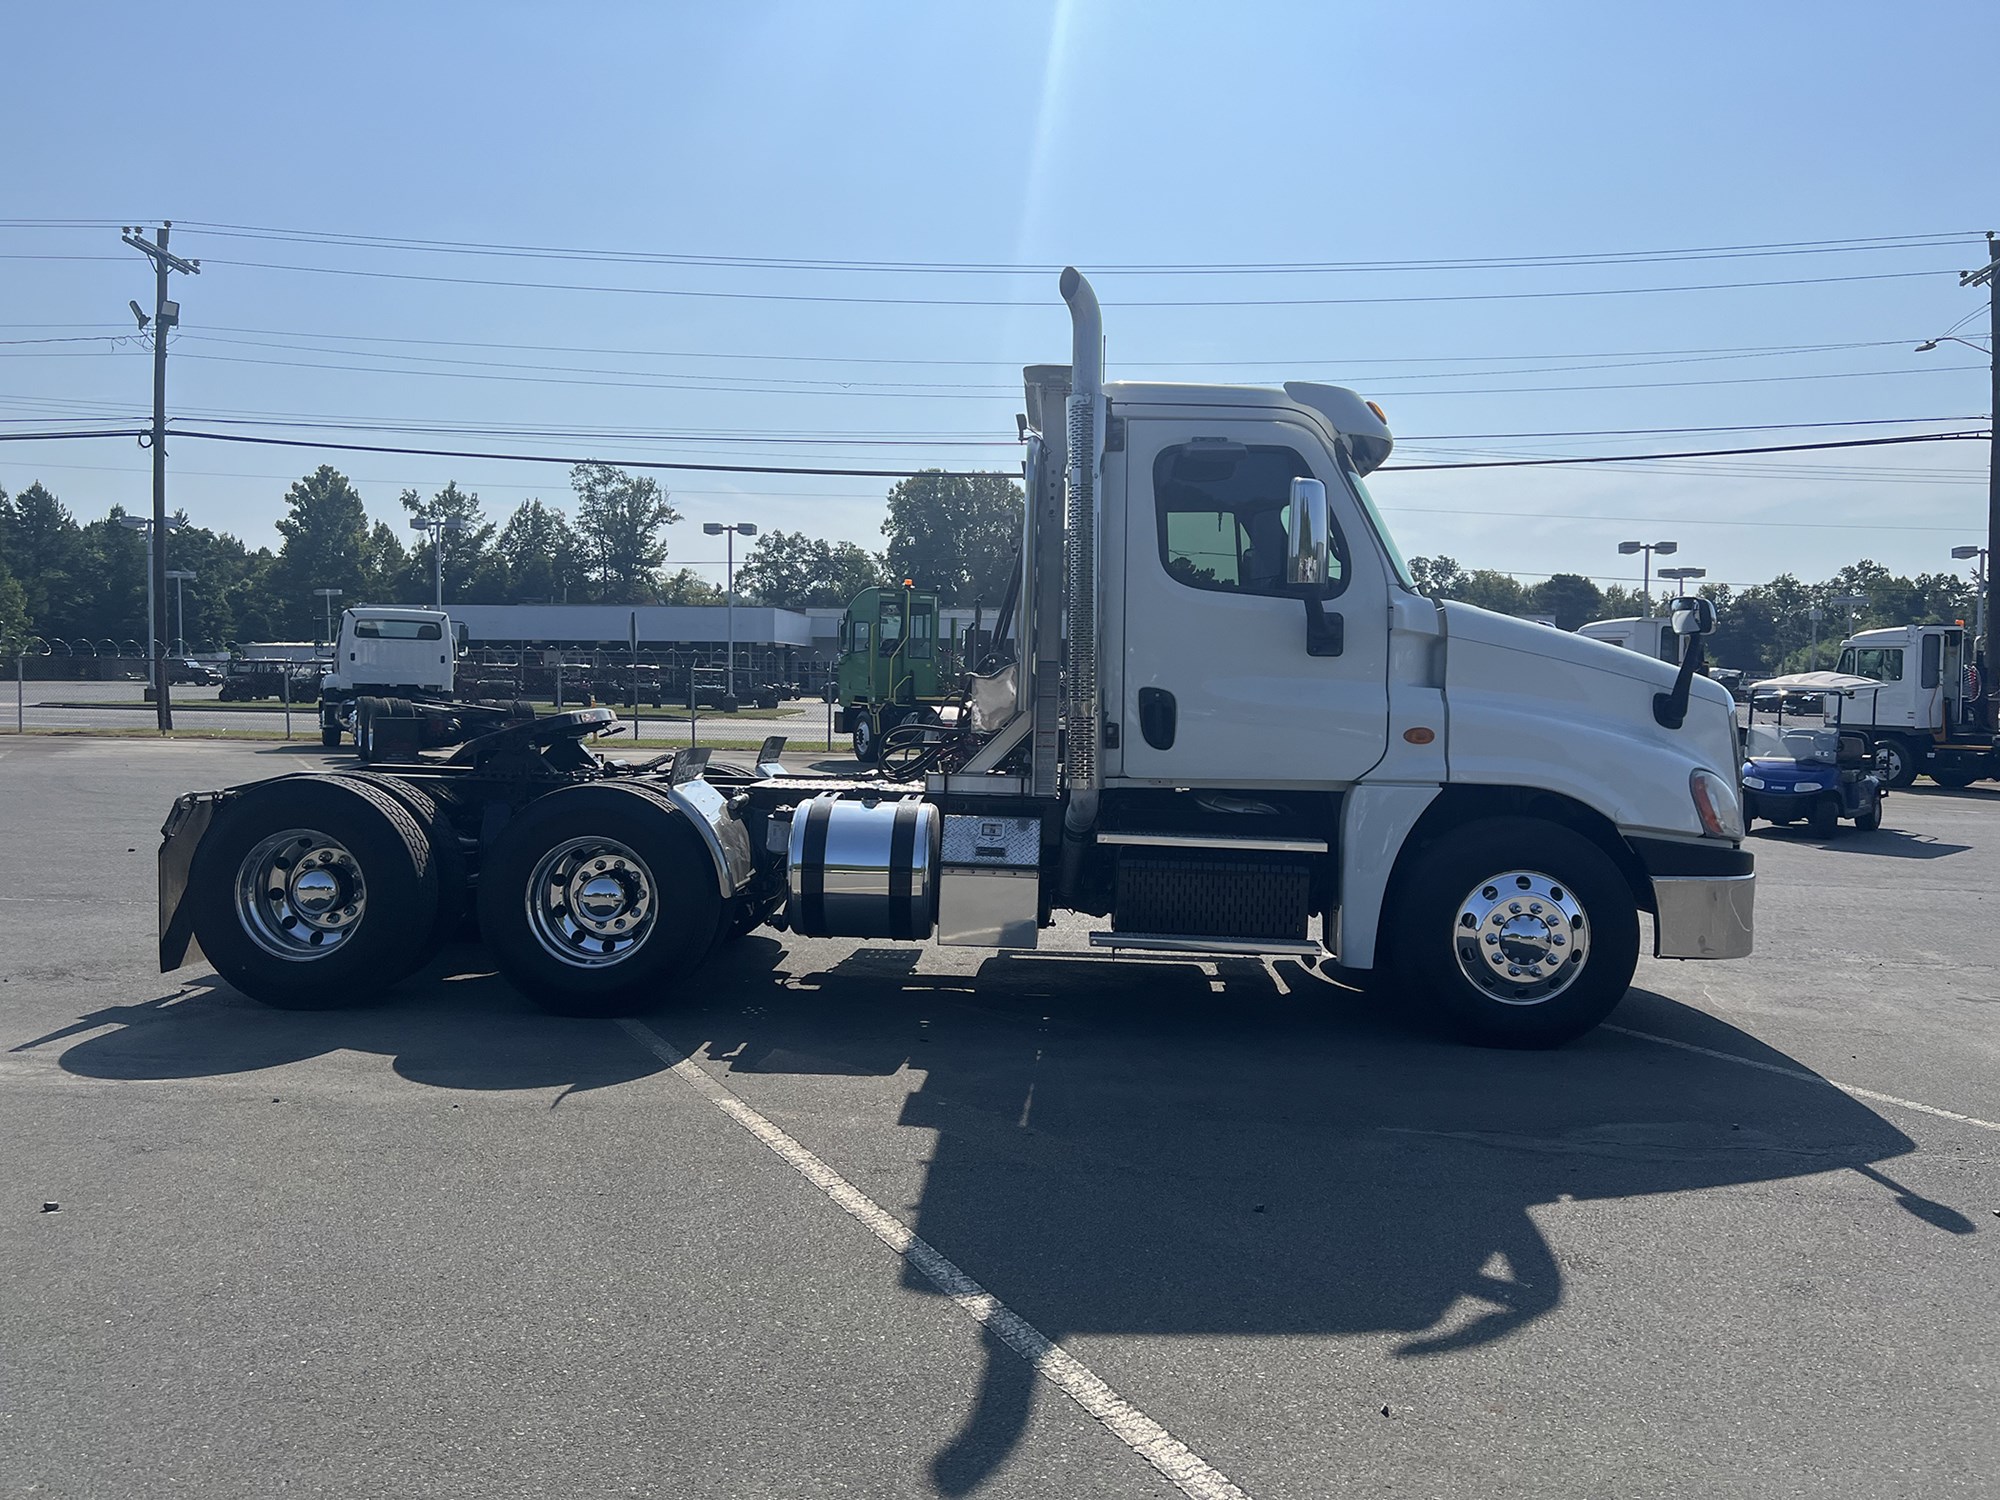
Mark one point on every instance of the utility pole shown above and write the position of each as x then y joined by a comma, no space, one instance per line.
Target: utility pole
166,315
1991,281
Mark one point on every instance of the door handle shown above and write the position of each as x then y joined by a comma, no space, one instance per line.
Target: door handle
1159,717
1326,634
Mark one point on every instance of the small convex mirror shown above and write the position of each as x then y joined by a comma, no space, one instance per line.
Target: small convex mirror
1306,535
1692,614
830,693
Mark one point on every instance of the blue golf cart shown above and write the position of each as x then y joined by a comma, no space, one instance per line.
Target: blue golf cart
1817,775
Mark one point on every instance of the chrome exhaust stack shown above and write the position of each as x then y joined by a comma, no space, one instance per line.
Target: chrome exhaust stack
1084,715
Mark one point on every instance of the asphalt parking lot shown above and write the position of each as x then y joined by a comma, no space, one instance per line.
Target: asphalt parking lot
1742,1240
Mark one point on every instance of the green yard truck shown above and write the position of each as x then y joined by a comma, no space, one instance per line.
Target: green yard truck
891,666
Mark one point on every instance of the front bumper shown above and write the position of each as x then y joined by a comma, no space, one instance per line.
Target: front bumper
1704,898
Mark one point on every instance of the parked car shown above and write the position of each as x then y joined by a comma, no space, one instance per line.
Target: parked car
185,671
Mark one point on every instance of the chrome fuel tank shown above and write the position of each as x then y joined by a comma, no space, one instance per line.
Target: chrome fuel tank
864,869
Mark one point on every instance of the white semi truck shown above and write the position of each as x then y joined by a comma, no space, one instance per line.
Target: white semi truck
393,685
1920,703
1648,635
1229,725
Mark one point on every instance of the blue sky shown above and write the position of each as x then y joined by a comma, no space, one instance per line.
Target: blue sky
1098,134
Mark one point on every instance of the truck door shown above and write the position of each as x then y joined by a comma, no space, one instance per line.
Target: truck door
1216,687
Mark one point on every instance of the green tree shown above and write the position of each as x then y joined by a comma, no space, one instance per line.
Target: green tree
620,518
541,554
386,566
326,546
955,536
1570,598
688,587
467,557
1437,577
44,549
796,571
1500,592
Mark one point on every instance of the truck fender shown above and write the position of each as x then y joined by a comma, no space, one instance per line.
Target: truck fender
1375,823
722,833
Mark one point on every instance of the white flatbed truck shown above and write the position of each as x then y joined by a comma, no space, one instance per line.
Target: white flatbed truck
1230,725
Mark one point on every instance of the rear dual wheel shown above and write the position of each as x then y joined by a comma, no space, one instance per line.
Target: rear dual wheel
315,892
598,900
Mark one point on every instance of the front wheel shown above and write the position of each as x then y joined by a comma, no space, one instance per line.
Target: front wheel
1899,766
1520,933
863,735
1824,820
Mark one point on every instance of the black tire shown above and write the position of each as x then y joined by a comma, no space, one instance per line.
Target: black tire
329,736
1955,777
861,731
1457,871
1870,817
366,711
1824,820
454,883
522,925
249,940
1900,762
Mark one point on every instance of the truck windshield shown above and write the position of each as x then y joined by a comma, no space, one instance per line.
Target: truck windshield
1367,500
1885,665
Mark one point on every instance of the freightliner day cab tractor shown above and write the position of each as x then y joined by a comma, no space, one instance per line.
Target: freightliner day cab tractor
1253,737
393,687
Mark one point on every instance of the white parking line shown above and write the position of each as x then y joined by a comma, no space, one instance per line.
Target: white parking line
1174,1460
1833,1083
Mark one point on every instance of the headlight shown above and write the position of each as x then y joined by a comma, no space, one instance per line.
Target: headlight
1716,805
1755,783
1809,786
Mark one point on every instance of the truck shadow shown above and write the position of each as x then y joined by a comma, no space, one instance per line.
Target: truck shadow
1141,1149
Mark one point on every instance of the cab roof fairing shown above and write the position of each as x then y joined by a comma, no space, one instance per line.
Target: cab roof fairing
1367,436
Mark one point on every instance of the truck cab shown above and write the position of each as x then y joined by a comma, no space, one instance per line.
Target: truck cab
1646,634
891,669
1921,710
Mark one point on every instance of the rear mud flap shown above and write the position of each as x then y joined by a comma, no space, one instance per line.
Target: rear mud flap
180,836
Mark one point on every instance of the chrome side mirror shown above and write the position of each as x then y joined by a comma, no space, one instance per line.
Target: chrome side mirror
1306,536
1692,614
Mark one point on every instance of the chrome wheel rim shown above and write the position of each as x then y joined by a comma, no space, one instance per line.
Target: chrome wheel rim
592,902
1521,937
300,895
864,738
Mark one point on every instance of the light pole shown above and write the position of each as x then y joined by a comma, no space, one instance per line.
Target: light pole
145,524
1963,554
1848,604
180,576
732,531
329,595
436,528
1665,549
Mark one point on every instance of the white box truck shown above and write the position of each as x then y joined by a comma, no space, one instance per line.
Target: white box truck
1229,725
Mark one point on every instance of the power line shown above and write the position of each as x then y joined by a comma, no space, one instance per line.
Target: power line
823,298
1288,364
1537,463
1925,240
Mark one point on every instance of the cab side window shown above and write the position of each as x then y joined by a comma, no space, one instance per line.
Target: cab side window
1222,511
